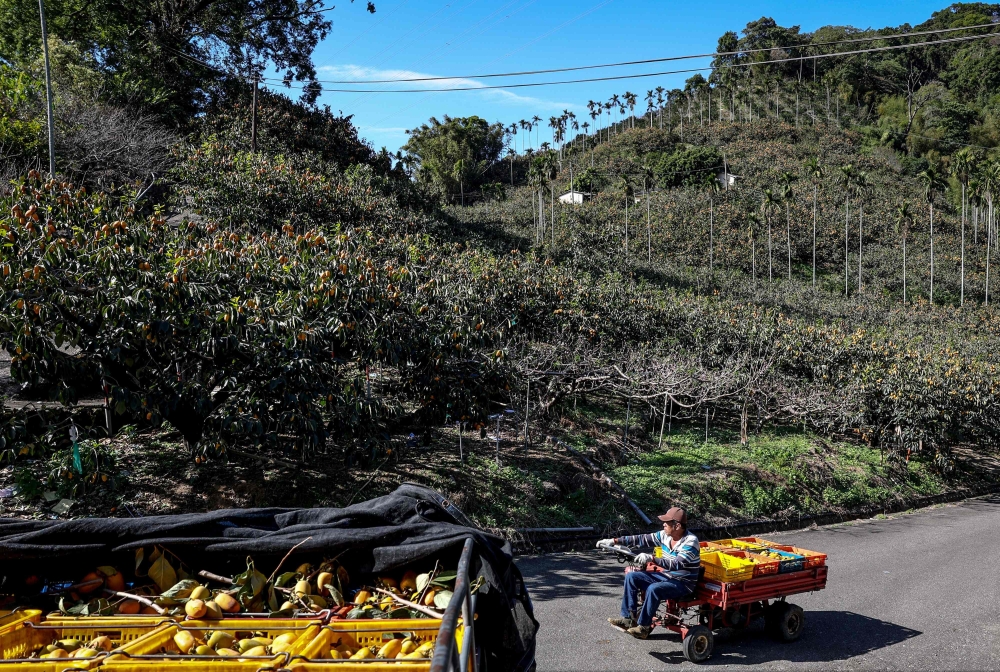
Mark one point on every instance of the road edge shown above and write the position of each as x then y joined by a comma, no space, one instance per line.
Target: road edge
555,543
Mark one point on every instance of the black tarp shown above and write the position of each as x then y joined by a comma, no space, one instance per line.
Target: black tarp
413,525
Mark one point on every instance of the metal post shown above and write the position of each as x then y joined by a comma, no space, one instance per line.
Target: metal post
663,421
48,91
628,417
527,402
253,116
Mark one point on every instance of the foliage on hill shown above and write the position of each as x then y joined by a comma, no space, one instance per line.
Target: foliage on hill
454,155
317,301
172,59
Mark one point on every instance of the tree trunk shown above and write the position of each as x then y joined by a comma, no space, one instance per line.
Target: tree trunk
932,254
988,218
847,220
770,273
861,240
788,239
649,233
962,273
626,226
552,219
711,233
904,267
814,234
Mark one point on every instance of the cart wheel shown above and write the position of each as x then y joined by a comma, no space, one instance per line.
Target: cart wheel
785,621
698,644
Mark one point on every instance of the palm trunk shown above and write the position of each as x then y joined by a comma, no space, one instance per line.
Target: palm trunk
989,216
711,233
770,273
788,239
904,267
847,219
932,254
552,219
861,226
814,235
534,218
962,274
626,226
649,234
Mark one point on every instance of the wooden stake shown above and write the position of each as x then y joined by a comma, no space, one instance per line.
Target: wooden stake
663,420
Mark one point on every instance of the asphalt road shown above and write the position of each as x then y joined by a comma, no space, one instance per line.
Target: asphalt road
917,592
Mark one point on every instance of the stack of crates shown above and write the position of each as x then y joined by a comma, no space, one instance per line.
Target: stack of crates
767,557
24,633
147,644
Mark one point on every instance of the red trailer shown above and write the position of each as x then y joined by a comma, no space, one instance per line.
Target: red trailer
715,605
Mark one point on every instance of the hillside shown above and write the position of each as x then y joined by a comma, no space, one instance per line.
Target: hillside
314,321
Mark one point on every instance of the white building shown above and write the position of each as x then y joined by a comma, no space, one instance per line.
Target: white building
574,197
727,180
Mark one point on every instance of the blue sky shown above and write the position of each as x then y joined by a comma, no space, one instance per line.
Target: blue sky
457,37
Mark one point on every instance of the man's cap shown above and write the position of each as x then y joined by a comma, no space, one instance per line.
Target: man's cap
675,514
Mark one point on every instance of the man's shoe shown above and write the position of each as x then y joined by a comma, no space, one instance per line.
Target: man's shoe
640,631
623,623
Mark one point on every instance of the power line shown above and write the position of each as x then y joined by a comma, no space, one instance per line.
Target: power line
666,72
655,60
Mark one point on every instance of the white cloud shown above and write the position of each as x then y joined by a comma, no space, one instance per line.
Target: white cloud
357,72
391,130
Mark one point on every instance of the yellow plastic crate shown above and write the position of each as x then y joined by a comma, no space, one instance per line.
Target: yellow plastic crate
726,568
22,639
157,652
11,621
314,657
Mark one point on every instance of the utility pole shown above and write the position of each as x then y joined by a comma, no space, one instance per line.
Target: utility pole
253,115
48,91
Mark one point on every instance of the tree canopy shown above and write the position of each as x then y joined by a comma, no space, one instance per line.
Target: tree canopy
170,55
455,154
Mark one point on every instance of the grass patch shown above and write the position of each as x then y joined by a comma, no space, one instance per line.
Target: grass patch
778,472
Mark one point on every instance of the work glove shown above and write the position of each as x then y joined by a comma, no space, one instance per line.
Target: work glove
604,543
643,559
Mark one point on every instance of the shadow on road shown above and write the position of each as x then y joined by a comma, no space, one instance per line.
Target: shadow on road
829,636
572,575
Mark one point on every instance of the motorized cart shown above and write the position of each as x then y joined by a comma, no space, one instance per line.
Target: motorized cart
719,604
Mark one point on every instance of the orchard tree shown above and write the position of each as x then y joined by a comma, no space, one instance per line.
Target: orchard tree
454,154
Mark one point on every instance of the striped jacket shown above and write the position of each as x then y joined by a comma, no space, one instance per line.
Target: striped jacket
682,562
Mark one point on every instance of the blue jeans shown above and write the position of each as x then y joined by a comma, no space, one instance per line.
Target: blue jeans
656,587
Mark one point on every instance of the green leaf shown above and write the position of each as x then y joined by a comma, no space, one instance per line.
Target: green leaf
422,581
442,599
180,590
251,583
286,578
358,613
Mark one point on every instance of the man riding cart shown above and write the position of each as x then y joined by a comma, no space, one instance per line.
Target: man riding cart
670,577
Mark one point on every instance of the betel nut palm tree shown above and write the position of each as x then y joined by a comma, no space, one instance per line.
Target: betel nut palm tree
815,173
903,220
963,164
787,194
933,181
